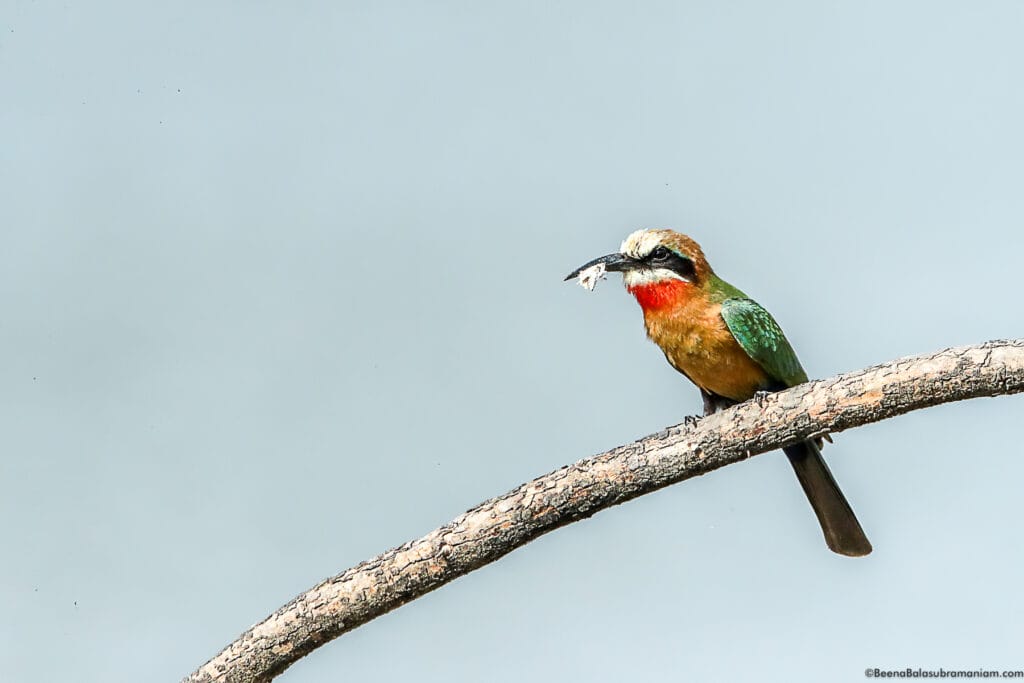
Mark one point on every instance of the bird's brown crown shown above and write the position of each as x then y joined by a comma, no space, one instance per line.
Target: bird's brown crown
642,243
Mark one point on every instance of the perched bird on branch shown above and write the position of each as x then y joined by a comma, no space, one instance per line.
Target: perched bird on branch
726,344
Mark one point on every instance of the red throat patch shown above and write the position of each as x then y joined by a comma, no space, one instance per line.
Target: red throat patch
662,294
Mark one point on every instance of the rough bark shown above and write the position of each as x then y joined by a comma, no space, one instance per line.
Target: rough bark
500,525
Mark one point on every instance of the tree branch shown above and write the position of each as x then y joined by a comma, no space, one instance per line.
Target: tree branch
500,525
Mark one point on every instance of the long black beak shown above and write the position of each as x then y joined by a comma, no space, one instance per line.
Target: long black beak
613,263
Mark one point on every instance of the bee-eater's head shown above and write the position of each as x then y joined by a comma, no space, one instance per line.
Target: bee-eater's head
657,266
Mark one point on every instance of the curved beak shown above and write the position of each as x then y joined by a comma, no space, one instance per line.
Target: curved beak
613,263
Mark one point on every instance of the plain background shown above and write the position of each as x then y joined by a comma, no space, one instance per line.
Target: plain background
281,287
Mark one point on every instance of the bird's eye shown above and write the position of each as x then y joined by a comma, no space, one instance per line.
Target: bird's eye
660,254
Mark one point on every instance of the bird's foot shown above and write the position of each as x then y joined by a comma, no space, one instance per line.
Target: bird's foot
691,420
760,396
820,437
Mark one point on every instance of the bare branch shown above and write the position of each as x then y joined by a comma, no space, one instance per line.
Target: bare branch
500,525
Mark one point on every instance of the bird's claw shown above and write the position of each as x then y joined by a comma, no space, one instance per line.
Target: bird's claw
760,396
691,420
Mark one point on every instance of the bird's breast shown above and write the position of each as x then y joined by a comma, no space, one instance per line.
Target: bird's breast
697,343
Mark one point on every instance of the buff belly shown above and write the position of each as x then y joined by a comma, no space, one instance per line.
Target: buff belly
705,351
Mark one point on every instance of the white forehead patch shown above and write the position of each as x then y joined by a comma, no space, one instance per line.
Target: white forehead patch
641,243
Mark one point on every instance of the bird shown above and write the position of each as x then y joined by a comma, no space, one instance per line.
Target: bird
729,346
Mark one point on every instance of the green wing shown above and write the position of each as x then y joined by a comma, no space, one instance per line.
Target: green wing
761,337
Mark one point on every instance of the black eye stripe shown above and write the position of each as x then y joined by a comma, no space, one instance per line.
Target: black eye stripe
662,257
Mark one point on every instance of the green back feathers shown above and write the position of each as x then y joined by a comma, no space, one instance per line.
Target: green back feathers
761,337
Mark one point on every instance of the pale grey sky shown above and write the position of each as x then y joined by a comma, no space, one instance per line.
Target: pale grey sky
281,287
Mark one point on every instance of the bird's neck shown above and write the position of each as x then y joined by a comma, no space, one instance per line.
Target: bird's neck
664,295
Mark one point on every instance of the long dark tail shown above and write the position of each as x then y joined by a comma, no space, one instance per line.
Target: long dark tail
840,526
